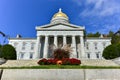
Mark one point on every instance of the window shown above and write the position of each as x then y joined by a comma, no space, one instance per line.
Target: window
87,45
23,46
97,55
104,44
88,55
15,45
95,44
31,55
22,55
32,46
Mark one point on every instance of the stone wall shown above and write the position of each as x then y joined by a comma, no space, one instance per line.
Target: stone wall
60,74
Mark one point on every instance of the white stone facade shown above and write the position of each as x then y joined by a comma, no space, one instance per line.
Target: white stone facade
59,32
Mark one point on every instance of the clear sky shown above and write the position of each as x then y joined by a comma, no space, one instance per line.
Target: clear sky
21,16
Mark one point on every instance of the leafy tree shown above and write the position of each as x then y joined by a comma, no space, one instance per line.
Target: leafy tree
118,49
115,39
112,51
0,49
90,35
8,52
110,34
97,34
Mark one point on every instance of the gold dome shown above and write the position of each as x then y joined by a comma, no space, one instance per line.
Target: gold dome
60,14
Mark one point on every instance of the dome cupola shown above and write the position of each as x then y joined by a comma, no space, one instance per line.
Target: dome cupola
60,17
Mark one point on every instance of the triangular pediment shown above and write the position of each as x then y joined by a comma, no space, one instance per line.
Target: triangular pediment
60,26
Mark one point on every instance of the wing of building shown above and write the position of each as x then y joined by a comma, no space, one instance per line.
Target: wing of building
59,32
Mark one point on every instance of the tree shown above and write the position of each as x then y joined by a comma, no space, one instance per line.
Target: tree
115,39
0,46
112,51
90,35
118,48
8,52
0,49
111,33
97,34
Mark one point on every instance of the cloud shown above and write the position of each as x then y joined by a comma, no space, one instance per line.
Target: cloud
108,28
99,8
100,15
78,2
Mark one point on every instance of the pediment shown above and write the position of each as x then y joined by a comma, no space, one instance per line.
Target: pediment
60,27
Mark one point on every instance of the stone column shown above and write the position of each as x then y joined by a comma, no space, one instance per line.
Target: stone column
82,48
45,47
64,40
74,47
55,41
38,48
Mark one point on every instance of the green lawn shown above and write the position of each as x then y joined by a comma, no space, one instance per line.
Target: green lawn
62,67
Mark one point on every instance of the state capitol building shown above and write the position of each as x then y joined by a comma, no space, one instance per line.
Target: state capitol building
59,32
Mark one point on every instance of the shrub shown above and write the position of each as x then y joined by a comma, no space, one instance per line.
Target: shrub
74,61
8,52
61,53
64,61
112,51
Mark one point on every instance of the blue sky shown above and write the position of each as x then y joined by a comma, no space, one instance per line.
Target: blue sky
21,16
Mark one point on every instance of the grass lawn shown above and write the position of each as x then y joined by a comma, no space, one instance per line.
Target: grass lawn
63,67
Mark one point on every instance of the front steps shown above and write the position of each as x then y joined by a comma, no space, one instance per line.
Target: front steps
84,62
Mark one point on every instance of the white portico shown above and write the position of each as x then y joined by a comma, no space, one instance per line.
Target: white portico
59,32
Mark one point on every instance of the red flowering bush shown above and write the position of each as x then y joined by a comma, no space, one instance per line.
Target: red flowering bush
64,61
47,61
42,61
74,61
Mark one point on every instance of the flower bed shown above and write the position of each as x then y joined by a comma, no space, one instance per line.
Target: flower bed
64,61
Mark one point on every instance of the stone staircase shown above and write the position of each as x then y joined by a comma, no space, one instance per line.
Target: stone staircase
20,63
98,62
84,62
